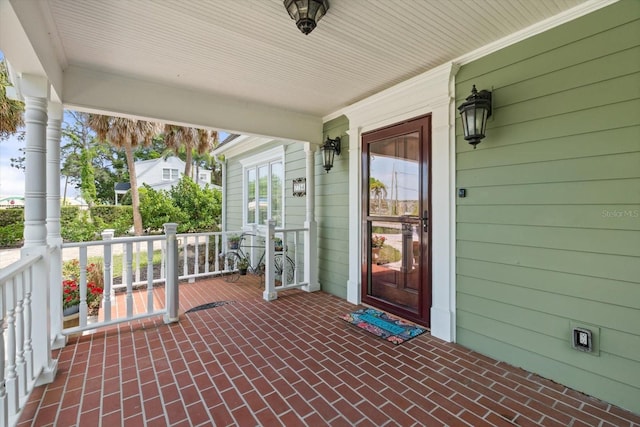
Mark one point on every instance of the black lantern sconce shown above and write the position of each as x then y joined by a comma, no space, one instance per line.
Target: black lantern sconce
474,113
306,13
329,149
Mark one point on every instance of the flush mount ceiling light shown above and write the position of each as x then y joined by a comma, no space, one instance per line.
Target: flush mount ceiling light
474,113
330,148
306,13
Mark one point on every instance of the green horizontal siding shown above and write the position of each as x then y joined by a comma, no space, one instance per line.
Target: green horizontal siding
548,236
332,213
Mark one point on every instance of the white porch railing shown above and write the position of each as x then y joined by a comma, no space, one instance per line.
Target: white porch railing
293,267
24,347
25,325
196,255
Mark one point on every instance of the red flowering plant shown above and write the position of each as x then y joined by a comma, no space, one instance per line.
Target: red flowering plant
71,286
377,241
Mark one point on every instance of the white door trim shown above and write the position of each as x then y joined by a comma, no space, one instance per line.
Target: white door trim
430,93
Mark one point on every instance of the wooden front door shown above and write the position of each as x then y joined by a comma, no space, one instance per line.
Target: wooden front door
396,273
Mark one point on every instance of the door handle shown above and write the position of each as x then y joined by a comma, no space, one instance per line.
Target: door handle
425,221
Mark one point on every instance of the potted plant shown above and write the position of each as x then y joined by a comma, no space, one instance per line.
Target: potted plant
277,244
243,265
233,241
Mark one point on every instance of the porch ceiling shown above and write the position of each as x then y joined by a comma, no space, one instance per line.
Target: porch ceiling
250,53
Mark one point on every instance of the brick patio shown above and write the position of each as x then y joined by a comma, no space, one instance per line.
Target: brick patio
291,362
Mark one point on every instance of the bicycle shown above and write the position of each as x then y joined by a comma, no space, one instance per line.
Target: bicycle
236,258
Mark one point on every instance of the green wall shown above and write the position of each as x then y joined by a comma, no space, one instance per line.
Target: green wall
332,213
548,236
294,168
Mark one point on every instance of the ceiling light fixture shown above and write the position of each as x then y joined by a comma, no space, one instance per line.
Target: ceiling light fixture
306,13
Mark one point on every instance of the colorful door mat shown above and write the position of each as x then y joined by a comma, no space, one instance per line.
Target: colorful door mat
383,325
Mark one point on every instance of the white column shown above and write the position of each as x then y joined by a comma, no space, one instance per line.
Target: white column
354,284
54,239
311,238
35,90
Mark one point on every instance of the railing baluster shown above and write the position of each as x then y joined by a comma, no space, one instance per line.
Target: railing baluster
196,255
4,401
150,277
10,374
216,252
206,253
107,235
137,261
28,321
163,251
185,249
83,286
129,278
21,371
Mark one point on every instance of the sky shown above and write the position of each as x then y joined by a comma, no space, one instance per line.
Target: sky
11,179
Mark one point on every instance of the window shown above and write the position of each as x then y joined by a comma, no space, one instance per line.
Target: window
264,188
203,178
169,174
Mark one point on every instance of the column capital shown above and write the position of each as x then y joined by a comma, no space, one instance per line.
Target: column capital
31,85
54,110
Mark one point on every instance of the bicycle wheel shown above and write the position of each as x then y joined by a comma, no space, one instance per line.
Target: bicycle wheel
231,267
277,262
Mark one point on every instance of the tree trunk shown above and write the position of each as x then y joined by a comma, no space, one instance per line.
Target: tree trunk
188,160
135,198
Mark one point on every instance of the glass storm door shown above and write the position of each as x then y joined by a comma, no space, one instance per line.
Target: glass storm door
396,245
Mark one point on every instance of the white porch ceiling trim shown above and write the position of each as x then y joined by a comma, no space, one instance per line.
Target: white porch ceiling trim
96,91
30,52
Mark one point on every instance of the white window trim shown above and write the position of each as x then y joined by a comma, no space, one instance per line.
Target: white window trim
171,178
264,157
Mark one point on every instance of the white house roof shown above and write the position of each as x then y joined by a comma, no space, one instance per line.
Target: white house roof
242,65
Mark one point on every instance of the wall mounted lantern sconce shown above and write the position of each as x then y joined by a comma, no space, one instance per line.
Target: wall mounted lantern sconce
329,149
474,113
306,13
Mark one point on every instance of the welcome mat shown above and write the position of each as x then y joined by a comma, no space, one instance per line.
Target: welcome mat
208,305
383,325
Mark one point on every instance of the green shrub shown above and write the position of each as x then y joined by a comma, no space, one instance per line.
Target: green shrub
157,208
119,218
202,206
80,229
11,216
12,234
68,214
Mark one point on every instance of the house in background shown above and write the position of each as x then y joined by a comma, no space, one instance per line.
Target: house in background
526,249
162,174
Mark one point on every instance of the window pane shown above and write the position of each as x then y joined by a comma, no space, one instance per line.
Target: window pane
277,180
251,196
174,174
165,174
263,193
393,176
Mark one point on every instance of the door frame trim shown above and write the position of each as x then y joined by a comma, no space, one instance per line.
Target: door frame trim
430,93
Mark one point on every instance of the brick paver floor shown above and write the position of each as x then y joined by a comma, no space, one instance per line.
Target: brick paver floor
291,362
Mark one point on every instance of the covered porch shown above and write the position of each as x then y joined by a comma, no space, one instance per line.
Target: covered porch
290,362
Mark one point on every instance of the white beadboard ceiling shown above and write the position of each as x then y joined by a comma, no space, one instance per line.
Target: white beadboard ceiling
251,50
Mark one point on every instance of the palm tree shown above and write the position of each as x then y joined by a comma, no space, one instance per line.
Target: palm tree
377,190
126,134
202,140
10,110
